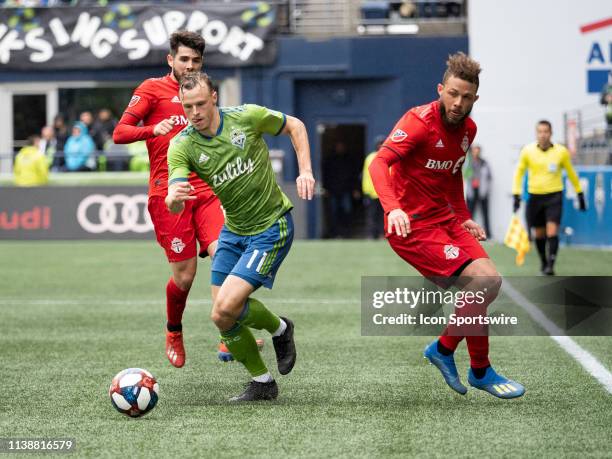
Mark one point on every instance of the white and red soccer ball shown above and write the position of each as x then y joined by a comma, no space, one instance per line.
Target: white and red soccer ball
134,392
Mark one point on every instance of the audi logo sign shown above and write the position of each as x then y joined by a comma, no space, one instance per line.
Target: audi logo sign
117,213
75,212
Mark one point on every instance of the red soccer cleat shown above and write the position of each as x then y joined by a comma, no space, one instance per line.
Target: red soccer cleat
175,349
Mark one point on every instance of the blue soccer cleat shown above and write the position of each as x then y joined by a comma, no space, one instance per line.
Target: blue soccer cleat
446,365
224,354
496,385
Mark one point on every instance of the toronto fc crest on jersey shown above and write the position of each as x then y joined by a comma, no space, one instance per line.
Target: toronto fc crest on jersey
177,245
465,143
451,252
238,138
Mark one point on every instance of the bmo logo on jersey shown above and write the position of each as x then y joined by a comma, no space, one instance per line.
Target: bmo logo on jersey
445,165
179,120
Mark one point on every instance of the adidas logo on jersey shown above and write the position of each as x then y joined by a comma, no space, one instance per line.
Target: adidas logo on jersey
440,144
176,100
203,158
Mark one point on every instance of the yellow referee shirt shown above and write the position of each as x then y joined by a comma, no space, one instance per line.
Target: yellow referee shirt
367,187
544,169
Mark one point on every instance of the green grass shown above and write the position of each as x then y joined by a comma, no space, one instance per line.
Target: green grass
74,314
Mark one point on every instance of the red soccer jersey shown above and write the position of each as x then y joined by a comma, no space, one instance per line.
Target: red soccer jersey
425,157
156,99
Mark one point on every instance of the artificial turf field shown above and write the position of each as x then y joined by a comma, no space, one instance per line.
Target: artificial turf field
72,314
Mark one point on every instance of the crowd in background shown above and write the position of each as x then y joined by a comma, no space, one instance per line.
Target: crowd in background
54,3
80,146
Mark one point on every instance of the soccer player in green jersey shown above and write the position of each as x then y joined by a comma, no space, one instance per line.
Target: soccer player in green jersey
225,147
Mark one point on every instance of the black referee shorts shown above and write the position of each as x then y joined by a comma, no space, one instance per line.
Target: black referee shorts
543,208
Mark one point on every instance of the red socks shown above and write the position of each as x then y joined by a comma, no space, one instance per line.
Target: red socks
477,343
478,348
450,342
176,300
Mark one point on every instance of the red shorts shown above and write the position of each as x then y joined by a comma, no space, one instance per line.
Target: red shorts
438,250
201,219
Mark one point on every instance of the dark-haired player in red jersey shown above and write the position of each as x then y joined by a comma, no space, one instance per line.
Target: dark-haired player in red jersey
156,104
417,175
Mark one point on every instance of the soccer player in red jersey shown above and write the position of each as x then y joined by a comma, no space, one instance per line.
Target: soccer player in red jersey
417,175
156,104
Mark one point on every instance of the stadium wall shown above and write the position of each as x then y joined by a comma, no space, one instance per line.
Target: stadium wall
98,211
540,59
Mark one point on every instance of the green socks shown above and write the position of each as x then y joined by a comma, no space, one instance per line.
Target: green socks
257,316
240,340
241,343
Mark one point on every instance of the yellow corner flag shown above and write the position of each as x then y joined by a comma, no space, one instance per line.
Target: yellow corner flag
517,239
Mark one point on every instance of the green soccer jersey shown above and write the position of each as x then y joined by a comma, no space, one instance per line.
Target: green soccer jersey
236,164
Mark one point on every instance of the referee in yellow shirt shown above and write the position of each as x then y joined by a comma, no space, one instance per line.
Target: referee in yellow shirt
544,161
374,211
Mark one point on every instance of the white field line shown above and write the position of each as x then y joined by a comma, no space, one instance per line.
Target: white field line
581,355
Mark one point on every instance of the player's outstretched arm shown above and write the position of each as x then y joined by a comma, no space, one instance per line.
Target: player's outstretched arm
178,193
397,219
128,131
305,182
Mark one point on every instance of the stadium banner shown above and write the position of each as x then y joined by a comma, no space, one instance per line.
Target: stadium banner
592,227
525,306
75,212
127,35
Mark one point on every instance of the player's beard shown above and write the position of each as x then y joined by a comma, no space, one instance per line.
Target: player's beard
177,75
449,121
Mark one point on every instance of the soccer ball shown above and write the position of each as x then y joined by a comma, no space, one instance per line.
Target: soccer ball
134,392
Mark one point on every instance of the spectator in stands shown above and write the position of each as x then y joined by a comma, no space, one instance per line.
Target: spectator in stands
61,132
48,147
31,167
79,149
87,119
606,100
477,176
374,211
102,128
407,9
